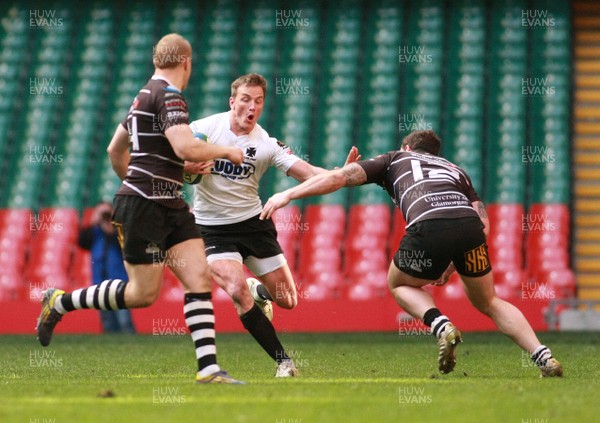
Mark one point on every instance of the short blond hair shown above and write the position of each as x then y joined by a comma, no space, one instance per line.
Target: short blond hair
252,80
170,51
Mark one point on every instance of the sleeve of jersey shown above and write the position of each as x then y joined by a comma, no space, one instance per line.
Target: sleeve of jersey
375,168
199,126
124,123
283,157
173,109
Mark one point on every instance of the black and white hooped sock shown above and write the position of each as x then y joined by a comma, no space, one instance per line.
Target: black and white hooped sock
541,355
200,320
107,295
436,321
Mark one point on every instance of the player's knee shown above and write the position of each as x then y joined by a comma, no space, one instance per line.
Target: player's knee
205,279
484,306
288,302
239,293
143,299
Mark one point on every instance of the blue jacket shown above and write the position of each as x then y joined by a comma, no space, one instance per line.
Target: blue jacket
107,260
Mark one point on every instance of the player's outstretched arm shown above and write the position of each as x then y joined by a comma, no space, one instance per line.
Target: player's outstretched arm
194,150
118,151
480,209
321,184
302,170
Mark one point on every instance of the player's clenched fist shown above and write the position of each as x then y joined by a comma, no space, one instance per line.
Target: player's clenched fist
235,155
277,201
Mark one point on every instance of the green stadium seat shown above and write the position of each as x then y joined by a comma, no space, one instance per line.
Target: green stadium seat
355,92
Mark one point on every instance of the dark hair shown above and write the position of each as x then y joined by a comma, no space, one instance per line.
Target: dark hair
427,141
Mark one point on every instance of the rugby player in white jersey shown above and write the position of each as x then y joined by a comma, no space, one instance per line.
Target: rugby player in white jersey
447,225
227,208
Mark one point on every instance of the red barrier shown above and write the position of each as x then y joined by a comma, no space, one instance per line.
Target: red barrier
330,315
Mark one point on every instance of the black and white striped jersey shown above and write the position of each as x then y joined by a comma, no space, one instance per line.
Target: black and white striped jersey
423,186
155,172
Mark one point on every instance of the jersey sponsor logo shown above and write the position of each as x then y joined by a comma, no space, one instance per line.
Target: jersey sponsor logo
152,248
476,260
230,171
287,149
447,200
177,115
175,103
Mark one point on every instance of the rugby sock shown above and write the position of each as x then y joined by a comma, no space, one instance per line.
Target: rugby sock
107,295
541,355
200,320
263,331
263,292
436,321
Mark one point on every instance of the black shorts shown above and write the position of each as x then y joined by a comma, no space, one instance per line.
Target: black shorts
252,237
429,246
146,229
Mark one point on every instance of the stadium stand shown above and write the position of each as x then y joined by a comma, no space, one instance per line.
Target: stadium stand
351,72
294,88
586,149
506,112
320,246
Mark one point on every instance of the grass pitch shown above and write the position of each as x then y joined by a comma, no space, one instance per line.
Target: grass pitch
359,377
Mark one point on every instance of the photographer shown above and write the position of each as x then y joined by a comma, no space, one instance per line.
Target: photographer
100,238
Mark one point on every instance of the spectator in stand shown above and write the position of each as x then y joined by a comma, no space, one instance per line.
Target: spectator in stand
100,239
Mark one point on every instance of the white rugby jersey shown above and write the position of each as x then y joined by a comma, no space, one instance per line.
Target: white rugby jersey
230,193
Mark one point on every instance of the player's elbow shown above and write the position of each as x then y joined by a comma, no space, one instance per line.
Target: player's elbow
112,152
113,155
184,154
180,142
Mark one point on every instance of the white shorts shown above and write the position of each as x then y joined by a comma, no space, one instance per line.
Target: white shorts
258,266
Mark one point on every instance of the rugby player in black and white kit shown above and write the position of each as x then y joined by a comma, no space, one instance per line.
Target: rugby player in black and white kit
227,209
154,225
446,229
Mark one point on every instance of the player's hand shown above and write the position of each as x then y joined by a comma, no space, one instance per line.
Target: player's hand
198,168
235,155
445,276
353,156
277,201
